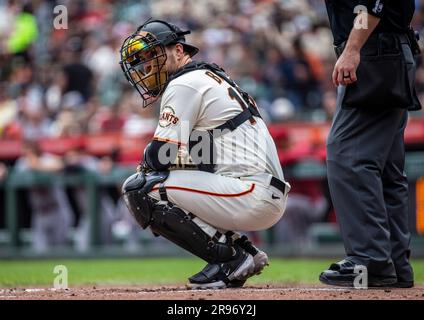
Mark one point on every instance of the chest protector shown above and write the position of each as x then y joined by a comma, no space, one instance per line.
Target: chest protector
201,145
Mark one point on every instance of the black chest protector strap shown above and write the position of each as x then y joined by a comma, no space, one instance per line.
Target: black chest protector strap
242,117
207,162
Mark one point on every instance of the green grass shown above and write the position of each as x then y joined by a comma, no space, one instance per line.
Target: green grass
155,271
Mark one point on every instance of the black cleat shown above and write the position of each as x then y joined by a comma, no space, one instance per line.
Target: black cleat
260,261
260,258
219,275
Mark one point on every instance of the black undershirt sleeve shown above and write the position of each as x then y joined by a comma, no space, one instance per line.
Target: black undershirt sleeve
160,155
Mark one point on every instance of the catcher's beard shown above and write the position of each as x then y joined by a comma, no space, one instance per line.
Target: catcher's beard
171,64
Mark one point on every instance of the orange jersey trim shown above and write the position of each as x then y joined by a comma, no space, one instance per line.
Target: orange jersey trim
214,194
169,141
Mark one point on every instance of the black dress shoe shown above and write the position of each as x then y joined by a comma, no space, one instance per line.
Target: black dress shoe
343,274
403,284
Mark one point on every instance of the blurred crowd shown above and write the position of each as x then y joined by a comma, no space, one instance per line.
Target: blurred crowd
60,75
61,82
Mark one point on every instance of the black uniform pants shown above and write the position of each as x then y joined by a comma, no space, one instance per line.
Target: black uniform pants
369,189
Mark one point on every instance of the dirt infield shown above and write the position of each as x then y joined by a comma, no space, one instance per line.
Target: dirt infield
275,292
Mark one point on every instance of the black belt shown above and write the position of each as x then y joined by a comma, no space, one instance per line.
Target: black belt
280,185
374,41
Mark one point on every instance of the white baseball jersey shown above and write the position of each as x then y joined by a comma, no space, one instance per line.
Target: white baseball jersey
237,196
200,100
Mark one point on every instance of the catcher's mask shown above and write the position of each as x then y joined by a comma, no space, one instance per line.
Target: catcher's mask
143,57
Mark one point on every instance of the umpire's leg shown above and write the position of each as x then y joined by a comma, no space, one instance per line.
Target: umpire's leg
357,148
395,186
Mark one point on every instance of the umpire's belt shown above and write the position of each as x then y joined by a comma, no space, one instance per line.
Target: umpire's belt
277,183
379,43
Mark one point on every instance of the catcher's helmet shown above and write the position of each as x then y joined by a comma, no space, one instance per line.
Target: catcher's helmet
168,34
143,57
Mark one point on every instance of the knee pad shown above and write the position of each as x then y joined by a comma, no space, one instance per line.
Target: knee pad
135,193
